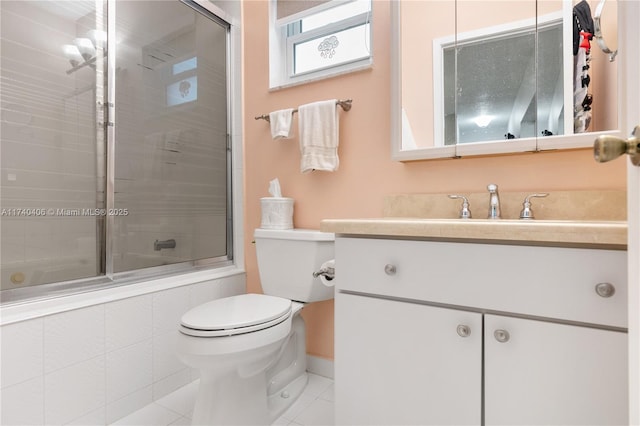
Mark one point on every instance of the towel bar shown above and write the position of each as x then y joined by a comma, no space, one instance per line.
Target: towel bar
344,104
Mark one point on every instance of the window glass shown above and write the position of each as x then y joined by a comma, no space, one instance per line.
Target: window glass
334,49
324,42
335,14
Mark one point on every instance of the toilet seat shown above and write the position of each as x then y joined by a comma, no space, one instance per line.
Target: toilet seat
229,316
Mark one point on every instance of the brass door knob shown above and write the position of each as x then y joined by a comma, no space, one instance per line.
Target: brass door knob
606,147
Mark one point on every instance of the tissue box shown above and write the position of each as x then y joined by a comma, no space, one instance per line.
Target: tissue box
277,213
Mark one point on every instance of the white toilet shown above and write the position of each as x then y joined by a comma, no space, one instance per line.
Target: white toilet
250,348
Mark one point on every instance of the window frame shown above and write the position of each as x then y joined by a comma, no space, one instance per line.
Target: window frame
285,36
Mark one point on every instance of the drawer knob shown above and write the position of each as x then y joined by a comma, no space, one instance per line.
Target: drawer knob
605,289
464,330
390,269
501,336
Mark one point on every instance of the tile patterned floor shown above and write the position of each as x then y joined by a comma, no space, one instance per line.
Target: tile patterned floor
313,408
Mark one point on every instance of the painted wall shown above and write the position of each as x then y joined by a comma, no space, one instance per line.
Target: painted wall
366,172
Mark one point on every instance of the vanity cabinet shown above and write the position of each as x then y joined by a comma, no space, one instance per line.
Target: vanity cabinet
547,373
432,332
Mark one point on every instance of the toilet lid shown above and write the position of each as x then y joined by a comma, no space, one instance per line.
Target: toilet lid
237,314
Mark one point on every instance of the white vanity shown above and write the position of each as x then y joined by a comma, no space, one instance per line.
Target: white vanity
480,322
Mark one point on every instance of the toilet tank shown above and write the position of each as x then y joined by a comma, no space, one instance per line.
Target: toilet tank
287,260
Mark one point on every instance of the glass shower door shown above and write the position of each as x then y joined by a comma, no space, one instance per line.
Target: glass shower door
115,143
52,166
171,183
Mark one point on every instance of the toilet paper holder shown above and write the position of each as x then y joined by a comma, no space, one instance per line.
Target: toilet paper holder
326,271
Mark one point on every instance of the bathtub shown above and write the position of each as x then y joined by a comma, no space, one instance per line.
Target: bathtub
42,271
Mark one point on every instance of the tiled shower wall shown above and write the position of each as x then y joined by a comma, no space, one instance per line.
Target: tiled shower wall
94,365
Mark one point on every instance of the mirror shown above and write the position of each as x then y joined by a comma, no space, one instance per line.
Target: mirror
476,77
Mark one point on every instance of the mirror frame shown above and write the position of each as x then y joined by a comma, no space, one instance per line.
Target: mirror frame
548,143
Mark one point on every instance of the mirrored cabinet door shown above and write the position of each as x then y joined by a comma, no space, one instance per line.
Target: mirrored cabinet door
505,77
422,23
495,76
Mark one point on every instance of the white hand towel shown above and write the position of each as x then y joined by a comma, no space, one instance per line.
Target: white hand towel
318,128
281,123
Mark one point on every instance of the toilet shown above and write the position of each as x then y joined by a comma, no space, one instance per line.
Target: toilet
250,349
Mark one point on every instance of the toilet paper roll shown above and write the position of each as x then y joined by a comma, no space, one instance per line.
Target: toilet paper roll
330,267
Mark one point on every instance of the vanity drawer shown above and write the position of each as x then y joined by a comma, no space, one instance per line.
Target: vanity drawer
550,282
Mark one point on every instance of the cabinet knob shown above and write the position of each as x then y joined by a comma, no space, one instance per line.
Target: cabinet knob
463,330
390,269
501,336
605,289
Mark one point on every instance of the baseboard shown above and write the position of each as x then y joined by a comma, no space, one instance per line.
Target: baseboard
320,366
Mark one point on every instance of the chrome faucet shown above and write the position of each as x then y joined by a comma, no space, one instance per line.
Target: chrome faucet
526,212
465,213
494,201
157,245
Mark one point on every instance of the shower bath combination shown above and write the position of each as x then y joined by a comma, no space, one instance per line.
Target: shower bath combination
112,128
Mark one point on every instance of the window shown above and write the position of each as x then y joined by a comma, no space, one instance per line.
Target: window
184,82
322,40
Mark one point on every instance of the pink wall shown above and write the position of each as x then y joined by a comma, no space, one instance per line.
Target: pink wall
366,171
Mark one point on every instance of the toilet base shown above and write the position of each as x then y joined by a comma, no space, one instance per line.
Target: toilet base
288,377
249,388
238,401
280,402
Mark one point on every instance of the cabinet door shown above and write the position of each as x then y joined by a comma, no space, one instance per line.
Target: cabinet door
544,373
405,363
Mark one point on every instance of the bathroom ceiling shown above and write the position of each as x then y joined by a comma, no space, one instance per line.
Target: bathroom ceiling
72,10
140,19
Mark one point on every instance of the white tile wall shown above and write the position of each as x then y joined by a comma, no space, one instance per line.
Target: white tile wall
168,307
22,351
130,403
98,364
73,336
170,383
94,418
23,404
129,370
165,361
129,321
74,391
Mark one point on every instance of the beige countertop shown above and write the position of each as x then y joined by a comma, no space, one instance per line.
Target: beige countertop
570,233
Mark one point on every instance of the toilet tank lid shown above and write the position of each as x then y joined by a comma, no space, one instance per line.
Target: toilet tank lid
294,234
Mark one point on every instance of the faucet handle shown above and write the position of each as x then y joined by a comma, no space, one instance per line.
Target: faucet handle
526,212
465,213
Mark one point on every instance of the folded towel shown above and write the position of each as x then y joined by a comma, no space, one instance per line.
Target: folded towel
318,128
281,123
